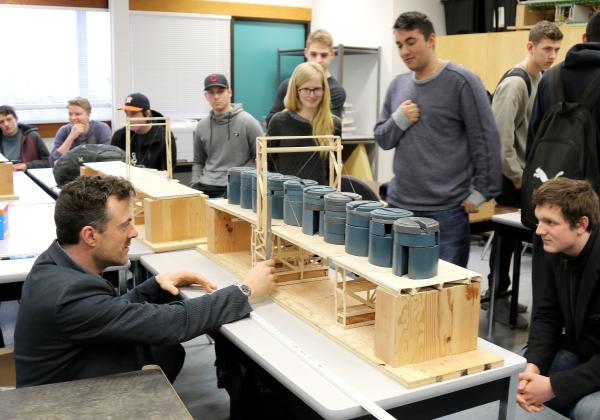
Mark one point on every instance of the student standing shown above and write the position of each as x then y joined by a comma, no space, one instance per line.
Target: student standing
438,120
307,113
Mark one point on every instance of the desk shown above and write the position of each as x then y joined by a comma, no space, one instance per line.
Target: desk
31,229
324,398
44,177
140,394
27,191
506,226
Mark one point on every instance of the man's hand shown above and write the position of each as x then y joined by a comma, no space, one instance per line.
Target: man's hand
20,167
411,111
78,129
171,282
469,206
533,389
260,279
518,185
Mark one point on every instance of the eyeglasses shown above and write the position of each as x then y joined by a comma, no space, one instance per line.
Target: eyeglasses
318,91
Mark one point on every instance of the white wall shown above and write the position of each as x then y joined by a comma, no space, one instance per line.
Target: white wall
369,23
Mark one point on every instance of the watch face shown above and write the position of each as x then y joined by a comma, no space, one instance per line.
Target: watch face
245,289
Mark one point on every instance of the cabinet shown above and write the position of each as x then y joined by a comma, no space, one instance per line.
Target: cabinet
489,55
358,70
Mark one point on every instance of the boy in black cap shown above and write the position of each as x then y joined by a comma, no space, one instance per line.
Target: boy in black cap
148,148
225,139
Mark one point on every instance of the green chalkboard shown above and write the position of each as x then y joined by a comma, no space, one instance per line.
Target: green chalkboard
255,45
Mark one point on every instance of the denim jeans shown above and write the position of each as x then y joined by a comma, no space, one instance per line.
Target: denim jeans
455,233
586,408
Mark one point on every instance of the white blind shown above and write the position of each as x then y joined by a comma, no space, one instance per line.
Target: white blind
172,53
50,55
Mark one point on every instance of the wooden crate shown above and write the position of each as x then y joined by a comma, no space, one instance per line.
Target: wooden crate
7,189
528,16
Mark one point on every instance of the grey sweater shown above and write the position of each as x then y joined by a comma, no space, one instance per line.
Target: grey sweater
452,152
223,142
512,107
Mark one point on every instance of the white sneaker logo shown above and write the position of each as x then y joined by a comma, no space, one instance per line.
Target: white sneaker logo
541,175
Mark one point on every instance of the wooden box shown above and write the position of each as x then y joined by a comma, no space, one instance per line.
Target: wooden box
527,16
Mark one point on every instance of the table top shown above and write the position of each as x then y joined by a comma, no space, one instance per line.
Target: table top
511,219
140,394
27,191
294,373
31,229
46,177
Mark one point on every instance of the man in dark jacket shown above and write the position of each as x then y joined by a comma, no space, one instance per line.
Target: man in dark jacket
563,351
148,143
72,325
581,63
21,143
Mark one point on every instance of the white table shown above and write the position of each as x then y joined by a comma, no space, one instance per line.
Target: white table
27,191
44,177
323,397
507,225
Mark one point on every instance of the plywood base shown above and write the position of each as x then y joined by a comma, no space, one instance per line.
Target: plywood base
173,245
239,262
7,197
314,302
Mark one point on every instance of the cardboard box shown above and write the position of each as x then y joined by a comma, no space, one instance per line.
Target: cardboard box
529,16
8,376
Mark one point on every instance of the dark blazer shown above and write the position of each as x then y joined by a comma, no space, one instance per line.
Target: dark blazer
580,320
72,325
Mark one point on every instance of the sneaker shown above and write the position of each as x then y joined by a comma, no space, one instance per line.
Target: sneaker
521,308
502,316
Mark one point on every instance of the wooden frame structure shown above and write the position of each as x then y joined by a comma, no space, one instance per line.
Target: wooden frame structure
143,122
262,242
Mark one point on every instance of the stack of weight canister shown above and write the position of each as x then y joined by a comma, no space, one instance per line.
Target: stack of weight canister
292,200
357,226
381,234
234,183
314,209
335,216
254,182
416,247
275,189
246,188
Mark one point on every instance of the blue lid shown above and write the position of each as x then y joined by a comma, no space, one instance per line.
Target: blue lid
341,198
298,184
388,215
363,206
318,191
276,182
416,225
239,169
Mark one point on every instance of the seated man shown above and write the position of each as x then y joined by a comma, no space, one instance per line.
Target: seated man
21,143
148,145
563,352
72,325
226,138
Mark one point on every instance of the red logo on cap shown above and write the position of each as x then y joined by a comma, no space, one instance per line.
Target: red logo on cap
213,78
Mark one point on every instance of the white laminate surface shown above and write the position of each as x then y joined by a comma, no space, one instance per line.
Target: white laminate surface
295,373
46,177
27,191
511,219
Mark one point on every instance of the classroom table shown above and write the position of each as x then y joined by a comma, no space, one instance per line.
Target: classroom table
143,394
27,191
320,395
507,225
44,177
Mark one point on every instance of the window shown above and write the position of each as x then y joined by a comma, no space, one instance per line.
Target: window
51,55
172,53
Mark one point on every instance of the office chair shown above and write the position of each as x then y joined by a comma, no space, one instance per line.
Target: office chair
356,185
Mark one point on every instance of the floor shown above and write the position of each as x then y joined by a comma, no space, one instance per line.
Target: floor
196,384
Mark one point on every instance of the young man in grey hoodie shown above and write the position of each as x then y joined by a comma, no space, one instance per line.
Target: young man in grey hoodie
225,139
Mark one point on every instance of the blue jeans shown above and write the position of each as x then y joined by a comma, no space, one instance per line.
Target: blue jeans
586,408
455,233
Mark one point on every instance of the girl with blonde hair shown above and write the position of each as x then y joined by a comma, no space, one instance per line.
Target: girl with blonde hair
307,113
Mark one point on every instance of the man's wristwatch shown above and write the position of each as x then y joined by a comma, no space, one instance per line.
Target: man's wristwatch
244,289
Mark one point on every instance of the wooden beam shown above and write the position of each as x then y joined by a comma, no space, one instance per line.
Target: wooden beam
259,11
